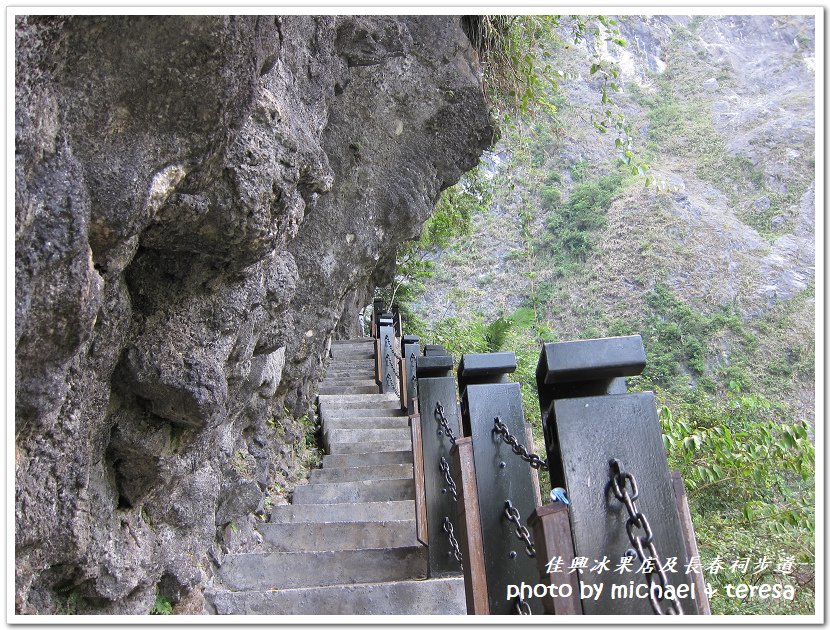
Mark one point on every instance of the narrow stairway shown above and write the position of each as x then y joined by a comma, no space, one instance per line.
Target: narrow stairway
347,543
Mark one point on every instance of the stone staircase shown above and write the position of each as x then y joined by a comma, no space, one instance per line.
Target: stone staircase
347,543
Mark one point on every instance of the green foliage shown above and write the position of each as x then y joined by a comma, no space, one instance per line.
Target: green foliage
750,482
72,605
518,73
572,226
311,455
455,209
551,197
451,219
496,332
678,336
579,170
521,77
456,335
162,606
553,178
241,464
145,516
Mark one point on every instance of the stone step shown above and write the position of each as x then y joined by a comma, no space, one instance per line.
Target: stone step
353,352
343,363
372,436
350,373
443,596
344,512
262,571
368,491
327,390
382,410
352,448
364,371
338,536
348,382
345,460
361,473
357,401
378,422
354,340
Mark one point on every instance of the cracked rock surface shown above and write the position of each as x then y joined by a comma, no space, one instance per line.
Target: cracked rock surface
201,202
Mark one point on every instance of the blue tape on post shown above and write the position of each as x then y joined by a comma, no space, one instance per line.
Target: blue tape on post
558,494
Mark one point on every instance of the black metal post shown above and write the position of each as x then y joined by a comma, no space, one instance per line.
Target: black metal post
439,425
506,495
377,309
589,422
388,370
410,351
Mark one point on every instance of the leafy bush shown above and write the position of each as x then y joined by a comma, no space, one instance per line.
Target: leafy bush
162,606
750,482
572,225
553,178
551,197
496,333
677,335
451,219
518,73
579,170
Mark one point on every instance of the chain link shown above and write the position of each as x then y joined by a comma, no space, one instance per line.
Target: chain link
445,468
392,363
393,382
442,418
391,347
522,533
636,519
412,366
531,458
522,607
456,550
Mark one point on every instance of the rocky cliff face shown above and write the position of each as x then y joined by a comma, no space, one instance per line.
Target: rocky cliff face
200,202
722,107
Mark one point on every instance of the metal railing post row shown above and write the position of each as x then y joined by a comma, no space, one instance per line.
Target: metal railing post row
504,495
439,426
605,449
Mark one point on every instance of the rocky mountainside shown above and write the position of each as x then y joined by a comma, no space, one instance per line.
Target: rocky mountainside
200,202
722,108
713,264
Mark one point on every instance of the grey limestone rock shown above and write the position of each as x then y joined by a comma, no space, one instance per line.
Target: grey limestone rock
201,202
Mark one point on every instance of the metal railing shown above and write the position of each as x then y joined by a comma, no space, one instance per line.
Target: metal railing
478,504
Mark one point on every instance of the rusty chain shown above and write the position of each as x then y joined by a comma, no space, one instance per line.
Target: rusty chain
522,533
439,411
531,458
636,519
456,550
